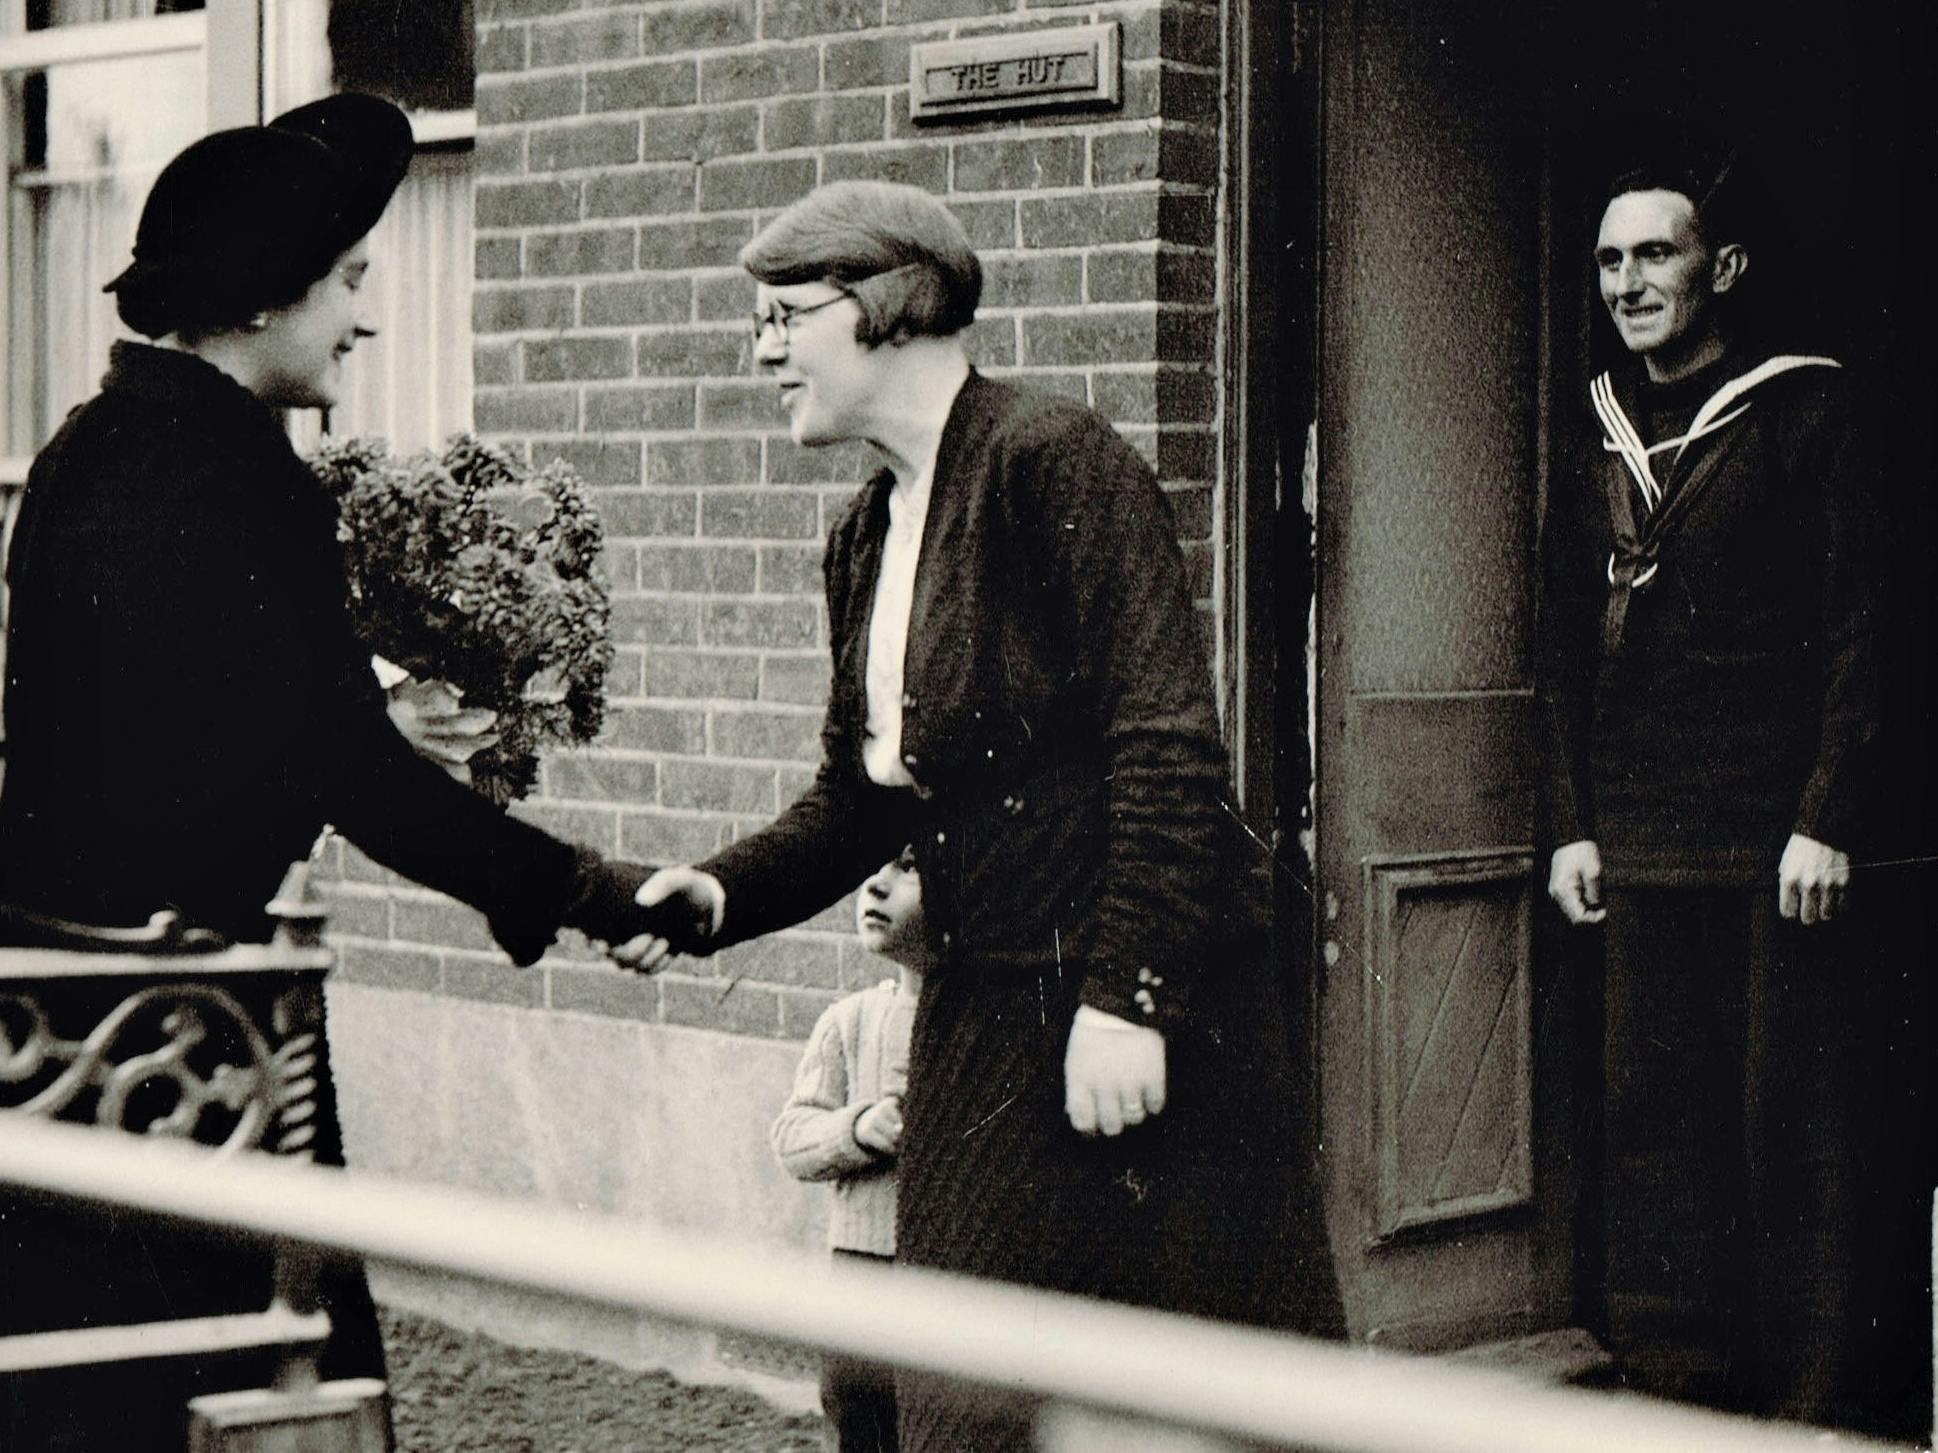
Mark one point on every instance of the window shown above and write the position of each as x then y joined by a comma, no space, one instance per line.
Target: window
98,95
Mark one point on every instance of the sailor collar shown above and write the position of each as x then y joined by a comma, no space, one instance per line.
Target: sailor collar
1722,408
1636,555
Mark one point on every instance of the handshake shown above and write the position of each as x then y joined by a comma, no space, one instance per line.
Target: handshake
644,915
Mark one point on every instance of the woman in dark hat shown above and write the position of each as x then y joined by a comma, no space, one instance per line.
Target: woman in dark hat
186,702
1102,1092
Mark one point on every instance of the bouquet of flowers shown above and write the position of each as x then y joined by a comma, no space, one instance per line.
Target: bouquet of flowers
468,570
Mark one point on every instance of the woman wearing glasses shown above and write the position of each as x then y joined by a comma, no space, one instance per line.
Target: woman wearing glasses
1100,1095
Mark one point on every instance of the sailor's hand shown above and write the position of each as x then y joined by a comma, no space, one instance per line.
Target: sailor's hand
1813,880
1575,882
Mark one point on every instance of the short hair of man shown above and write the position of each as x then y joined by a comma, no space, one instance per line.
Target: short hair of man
1713,183
898,251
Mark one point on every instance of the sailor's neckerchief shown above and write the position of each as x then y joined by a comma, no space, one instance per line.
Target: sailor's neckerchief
1633,562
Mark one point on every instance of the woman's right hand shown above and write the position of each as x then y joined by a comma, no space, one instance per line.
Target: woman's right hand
705,898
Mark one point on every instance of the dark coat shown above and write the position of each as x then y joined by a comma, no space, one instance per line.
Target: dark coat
186,703
1058,717
1729,699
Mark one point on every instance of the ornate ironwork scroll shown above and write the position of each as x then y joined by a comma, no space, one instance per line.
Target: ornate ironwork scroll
182,1060
164,1031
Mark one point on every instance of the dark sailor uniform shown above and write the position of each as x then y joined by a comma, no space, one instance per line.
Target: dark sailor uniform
1708,688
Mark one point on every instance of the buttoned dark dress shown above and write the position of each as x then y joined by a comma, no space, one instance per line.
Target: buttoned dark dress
1075,841
186,707
1693,721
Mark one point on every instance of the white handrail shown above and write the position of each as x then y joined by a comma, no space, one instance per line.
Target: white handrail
1170,1370
275,1326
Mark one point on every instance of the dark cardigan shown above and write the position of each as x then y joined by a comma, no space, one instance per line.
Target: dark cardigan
186,704
1076,847
1058,718
1735,701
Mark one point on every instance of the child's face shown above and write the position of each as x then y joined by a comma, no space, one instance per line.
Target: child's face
888,912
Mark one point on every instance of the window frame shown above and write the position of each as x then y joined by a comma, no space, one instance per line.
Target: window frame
39,50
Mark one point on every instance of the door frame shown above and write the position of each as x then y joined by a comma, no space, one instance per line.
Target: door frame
1270,376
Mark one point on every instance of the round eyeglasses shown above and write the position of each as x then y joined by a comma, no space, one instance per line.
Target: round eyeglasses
779,316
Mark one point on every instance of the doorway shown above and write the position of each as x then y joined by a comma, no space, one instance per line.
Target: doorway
1417,229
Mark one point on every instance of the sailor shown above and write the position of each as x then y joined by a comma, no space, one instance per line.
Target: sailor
1708,698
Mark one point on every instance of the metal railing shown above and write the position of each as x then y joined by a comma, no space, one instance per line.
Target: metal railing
1160,1372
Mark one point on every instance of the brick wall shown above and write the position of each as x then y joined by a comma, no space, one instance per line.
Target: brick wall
625,152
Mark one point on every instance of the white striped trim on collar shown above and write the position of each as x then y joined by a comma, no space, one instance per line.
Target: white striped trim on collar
1621,436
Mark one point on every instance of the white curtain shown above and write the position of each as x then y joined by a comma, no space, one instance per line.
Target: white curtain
87,234
110,126
412,383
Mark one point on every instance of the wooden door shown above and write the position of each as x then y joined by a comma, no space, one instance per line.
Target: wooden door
1444,1043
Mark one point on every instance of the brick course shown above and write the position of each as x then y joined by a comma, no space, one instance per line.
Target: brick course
626,150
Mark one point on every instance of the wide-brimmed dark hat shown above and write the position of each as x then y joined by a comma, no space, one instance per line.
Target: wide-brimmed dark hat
247,219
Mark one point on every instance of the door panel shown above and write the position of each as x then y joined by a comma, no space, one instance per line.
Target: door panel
1450,1198
1453,768
1448,1003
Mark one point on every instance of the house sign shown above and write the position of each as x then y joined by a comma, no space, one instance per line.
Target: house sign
1041,70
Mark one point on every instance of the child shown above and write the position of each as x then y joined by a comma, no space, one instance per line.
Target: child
843,1124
